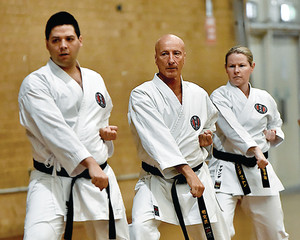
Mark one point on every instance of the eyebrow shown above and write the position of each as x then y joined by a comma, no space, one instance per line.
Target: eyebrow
175,50
54,36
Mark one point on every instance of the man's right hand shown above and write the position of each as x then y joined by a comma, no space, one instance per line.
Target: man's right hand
99,178
197,188
108,133
206,138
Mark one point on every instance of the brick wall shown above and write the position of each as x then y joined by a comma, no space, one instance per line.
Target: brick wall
118,38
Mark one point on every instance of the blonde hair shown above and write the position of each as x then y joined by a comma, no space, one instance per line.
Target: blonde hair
240,50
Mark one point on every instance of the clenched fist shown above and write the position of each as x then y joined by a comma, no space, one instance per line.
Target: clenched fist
108,133
205,139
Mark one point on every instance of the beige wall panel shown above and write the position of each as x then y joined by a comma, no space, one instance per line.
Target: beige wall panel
12,214
117,44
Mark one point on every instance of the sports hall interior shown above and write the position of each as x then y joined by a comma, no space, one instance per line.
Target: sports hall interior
118,42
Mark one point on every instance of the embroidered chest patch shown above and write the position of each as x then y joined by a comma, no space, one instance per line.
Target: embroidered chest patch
260,108
100,99
195,122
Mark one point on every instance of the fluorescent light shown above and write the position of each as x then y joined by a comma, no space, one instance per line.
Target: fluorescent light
251,10
287,12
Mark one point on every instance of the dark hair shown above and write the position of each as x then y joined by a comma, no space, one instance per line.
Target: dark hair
61,18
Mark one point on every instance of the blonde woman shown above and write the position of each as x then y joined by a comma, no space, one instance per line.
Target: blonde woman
248,125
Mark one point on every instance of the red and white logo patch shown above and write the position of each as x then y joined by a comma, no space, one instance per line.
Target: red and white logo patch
195,122
100,99
260,108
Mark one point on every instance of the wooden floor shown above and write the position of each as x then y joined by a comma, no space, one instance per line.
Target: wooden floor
290,203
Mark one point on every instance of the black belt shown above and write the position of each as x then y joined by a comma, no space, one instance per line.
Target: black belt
240,160
180,179
236,158
85,174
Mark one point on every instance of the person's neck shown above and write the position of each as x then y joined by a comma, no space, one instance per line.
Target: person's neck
245,89
75,73
70,70
174,84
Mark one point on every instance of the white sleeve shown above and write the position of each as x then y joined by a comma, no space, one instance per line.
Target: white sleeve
212,115
275,122
105,119
110,147
42,118
229,125
154,135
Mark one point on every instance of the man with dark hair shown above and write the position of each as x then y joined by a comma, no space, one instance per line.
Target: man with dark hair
61,18
65,109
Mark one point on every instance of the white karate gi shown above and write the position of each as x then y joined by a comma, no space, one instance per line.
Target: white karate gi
166,134
240,126
62,121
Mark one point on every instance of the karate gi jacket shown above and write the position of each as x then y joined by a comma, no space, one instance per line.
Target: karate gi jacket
240,126
166,134
62,122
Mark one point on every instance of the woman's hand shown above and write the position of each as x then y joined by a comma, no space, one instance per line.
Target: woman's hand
262,162
270,134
